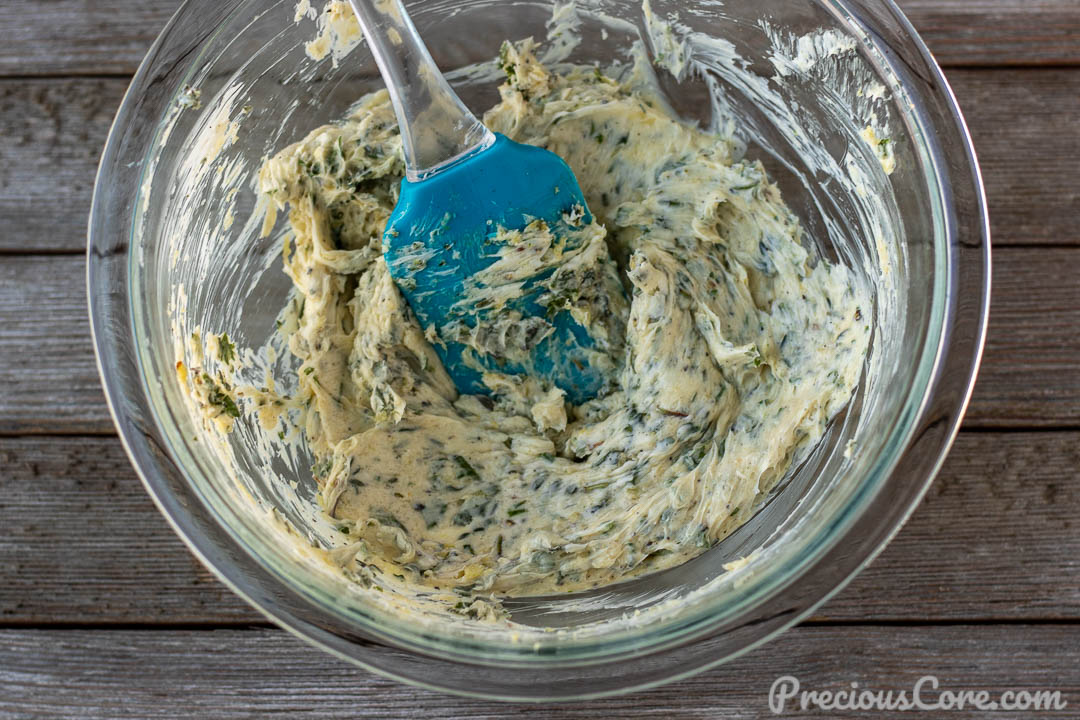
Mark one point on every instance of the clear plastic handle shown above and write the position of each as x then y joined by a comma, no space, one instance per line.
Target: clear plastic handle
437,130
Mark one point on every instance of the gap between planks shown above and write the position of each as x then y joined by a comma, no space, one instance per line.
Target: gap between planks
64,37
991,542
58,128
1030,374
228,674
255,626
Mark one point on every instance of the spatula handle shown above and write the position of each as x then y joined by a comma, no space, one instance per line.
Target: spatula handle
436,128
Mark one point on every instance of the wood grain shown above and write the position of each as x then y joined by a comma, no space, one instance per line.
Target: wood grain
1025,125
54,132
76,37
47,367
996,538
1030,374
57,128
262,673
82,542
998,32
79,37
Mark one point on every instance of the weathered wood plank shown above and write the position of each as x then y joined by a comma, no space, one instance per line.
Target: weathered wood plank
1025,125
1030,374
47,366
259,673
54,132
76,37
998,32
83,542
56,129
994,540
79,37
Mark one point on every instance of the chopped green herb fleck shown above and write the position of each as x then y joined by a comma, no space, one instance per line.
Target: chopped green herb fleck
466,467
220,399
226,350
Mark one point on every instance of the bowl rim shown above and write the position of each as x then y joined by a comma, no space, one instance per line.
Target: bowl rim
700,623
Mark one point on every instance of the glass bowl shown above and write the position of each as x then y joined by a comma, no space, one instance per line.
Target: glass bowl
228,83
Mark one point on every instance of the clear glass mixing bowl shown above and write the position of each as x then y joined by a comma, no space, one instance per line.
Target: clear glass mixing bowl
167,193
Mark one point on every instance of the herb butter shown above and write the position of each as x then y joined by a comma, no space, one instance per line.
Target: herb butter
735,350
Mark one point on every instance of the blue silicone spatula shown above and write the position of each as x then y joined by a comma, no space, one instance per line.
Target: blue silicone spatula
463,183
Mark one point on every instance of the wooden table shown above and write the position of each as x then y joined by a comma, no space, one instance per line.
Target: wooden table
103,612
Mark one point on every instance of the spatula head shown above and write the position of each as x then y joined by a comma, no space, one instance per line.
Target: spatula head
442,243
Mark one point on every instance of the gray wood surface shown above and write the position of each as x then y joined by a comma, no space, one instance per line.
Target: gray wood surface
53,133
1025,125
83,543
998,32
959,559
60,125
103,612
83,37
1030,374
47,366
253,674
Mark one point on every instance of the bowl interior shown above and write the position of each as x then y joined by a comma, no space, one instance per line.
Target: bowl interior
797,83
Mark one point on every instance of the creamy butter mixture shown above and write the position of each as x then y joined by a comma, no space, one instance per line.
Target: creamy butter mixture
734,351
